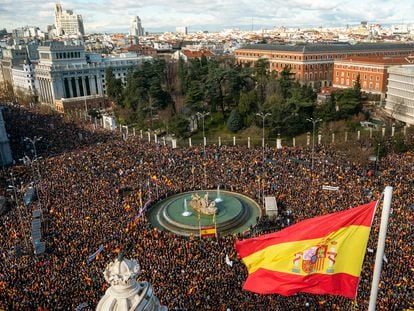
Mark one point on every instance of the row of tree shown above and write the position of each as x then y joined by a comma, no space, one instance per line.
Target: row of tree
167,94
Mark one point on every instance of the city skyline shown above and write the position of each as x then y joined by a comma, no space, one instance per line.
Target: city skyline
162,15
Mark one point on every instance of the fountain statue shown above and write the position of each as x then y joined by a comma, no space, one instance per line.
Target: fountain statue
186,212
203,205
218,198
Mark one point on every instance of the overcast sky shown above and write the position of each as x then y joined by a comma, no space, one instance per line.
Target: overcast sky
165,15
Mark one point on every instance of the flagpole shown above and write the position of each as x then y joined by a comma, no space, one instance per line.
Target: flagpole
215,224
386,206
199,224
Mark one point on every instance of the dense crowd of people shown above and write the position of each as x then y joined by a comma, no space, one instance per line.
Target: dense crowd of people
92,184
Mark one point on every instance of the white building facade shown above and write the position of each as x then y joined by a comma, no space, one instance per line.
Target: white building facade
67,23
66,71
400,94
24,78
136,29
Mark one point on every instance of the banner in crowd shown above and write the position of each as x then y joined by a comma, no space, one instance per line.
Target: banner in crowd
207,231
321,255
143,209
93,256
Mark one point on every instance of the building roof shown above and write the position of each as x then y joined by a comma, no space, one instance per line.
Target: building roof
329,47
197,53
377,60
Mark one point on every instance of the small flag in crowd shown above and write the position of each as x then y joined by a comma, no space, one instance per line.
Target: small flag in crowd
81,306
321,255
208,231
92,257
228,261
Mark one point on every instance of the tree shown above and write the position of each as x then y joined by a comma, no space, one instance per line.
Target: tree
347,102
262,74
114,87
234,122
286,82
180,126
247,106
194,97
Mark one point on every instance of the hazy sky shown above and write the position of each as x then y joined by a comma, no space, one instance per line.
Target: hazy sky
165,15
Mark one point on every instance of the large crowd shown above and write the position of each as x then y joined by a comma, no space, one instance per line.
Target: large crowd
91,184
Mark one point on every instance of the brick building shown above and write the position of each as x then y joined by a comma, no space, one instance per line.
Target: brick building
314,63
373,72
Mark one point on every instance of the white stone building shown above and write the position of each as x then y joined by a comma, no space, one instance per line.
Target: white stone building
66,71
67,23
23,78
136,29
400,94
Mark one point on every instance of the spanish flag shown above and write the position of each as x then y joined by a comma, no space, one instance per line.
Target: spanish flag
321,255
208,231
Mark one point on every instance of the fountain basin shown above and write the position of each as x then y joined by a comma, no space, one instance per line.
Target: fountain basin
235,213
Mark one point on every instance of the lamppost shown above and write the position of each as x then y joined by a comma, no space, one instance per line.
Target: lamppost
263,116
202,115
377,158
314,121
33,142
13,188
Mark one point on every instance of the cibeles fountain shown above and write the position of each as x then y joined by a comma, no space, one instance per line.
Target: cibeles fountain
125,292
186,213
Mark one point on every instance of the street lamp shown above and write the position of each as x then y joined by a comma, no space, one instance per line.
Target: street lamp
13,188
314,121
263,116
202,115
33,142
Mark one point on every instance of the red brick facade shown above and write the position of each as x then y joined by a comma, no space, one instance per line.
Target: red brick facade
372,72
314,63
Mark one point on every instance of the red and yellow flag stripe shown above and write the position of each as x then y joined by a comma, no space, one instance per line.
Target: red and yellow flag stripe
321,255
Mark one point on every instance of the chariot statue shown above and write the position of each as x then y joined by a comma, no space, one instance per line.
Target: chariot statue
203,205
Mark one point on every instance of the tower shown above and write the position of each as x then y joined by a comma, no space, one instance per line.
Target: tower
135,28
68,23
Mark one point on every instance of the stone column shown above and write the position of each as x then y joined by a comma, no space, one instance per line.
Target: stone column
85,91
294,142
92,85
98,81
189,142
393,131
319,139
234,140
346,136
219,141
70,87
333,138
248,142
77,86
359,135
